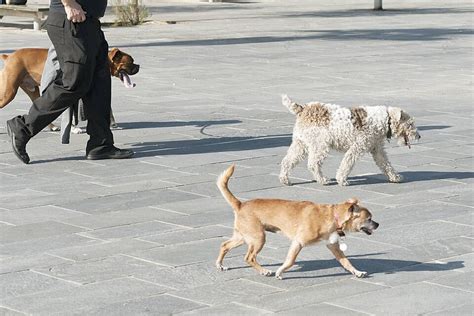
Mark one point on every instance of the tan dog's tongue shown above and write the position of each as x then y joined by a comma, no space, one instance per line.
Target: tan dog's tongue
127,82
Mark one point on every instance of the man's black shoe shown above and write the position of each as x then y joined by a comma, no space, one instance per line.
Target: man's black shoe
19,148
109,152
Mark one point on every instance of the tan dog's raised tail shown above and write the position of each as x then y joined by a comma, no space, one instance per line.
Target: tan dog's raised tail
303,222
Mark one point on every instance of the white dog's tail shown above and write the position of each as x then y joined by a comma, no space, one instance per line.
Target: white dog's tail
293,107
222,185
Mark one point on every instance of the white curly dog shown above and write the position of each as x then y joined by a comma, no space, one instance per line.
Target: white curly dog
321,127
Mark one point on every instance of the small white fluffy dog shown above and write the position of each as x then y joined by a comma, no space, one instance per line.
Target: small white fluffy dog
321,127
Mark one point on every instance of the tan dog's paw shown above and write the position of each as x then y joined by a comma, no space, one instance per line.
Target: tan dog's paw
220,267
397,178
266,272
360,274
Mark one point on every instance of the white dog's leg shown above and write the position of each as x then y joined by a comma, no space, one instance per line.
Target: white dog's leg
295,154
383,163
316,157
347,164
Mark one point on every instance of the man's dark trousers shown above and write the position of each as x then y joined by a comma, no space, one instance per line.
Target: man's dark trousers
83,56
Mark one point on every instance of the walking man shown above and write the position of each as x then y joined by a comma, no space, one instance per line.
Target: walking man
75,31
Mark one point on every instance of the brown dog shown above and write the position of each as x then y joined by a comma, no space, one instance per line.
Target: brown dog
24,67
303,222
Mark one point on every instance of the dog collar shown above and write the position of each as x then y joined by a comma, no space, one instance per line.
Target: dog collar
339,230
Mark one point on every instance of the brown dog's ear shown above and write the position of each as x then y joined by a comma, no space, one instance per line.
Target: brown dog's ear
115,54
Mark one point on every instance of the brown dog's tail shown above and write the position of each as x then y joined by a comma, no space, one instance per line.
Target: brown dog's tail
222,185
293,107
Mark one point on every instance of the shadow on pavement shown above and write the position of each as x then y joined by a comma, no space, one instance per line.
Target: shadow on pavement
375,13
210,145
418,34
137,125
432,127
374,266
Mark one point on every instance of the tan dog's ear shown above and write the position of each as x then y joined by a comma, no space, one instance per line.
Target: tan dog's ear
353,201
354,207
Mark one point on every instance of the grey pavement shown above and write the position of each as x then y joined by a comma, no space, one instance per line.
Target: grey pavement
140,236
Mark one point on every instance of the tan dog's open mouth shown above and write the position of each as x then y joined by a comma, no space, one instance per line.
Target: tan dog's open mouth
125,78
367,230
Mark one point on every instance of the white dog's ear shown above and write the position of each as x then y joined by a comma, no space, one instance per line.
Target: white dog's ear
395,113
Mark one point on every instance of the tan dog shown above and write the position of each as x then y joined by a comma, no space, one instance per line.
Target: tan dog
303,222
24,68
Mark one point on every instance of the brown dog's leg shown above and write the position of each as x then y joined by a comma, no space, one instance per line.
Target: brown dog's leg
236,241
295,249
8,89
255,245
345,263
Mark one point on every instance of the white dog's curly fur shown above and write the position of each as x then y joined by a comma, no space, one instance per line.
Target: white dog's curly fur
320,127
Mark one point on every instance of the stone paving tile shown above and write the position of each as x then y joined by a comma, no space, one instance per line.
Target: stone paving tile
409,235
183,254
233,290
87,296
321,309
21,263
119,218
126,201
406,299
156,305
462,281
204,273
196,206
37,246
98,269
101,249
300,297
36,214
227,309
8,312
33,231
201,233
25,283
463,310
132,230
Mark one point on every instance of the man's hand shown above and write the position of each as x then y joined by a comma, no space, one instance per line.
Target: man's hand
74,11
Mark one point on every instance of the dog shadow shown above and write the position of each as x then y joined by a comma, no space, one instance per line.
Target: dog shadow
408,177
413,176
210,145
372,265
